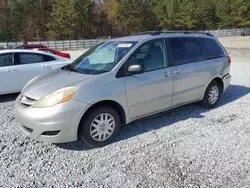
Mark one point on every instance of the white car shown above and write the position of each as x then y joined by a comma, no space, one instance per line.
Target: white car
17,67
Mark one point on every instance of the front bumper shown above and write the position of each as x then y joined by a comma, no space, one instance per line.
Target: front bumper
226,81
57,124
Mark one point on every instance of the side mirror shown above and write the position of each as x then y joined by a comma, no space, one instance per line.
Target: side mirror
136,69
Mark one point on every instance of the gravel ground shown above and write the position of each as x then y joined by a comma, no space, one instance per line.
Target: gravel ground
239,54
235,41
185,147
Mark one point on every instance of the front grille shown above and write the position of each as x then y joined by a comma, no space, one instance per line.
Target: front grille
27,101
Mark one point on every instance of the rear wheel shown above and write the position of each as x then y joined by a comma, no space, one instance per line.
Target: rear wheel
100,127
212,95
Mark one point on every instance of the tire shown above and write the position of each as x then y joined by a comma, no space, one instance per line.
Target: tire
93,122
207,100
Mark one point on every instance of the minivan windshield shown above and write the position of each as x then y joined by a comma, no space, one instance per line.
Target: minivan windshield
101,58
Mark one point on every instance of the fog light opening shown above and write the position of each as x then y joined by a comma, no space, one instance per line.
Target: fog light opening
50,133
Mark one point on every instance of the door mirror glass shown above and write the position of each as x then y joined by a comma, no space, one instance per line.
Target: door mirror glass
136,69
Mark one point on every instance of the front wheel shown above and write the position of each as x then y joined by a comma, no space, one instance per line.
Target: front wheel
212,95
100,127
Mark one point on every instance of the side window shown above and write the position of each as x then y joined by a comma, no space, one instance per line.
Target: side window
212,48
49,58
185,50
5,60
26,58
151,55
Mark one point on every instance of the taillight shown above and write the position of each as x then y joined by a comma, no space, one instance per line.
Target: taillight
229,59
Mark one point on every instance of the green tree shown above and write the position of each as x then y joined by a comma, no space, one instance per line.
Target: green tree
175,14
44,8
224,9
207,15
24,19
85,17
5,32
70,19
111,10
186,14
101,24
20,15
240,13
63,22
134,16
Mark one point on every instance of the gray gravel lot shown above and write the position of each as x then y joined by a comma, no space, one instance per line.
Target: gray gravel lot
185,147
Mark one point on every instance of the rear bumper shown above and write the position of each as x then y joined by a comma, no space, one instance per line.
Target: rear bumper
226,81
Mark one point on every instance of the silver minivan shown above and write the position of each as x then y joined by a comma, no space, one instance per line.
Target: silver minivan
122,80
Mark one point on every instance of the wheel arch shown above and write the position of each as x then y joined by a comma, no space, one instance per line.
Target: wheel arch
113,104
218,80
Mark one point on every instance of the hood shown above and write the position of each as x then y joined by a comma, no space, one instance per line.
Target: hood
53,81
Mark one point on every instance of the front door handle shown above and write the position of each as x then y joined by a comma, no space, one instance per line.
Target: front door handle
45,67
177,71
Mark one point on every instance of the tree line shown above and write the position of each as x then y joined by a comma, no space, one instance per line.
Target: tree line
25,20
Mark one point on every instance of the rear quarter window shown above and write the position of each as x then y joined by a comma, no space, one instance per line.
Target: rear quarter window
49,58
212,48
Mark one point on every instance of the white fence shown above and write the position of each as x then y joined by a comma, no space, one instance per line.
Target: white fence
60,45
230,32
83,44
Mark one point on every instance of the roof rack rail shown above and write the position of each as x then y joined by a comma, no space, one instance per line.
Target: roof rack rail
145,32
173,32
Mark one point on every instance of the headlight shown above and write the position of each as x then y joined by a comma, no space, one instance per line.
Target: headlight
29,82
56,97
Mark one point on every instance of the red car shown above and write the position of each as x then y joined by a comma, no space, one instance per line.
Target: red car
55,52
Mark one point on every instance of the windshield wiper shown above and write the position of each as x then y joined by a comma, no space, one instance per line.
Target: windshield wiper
88,71
67,67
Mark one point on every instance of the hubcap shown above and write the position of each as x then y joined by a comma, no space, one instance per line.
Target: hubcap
102,127
213,95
